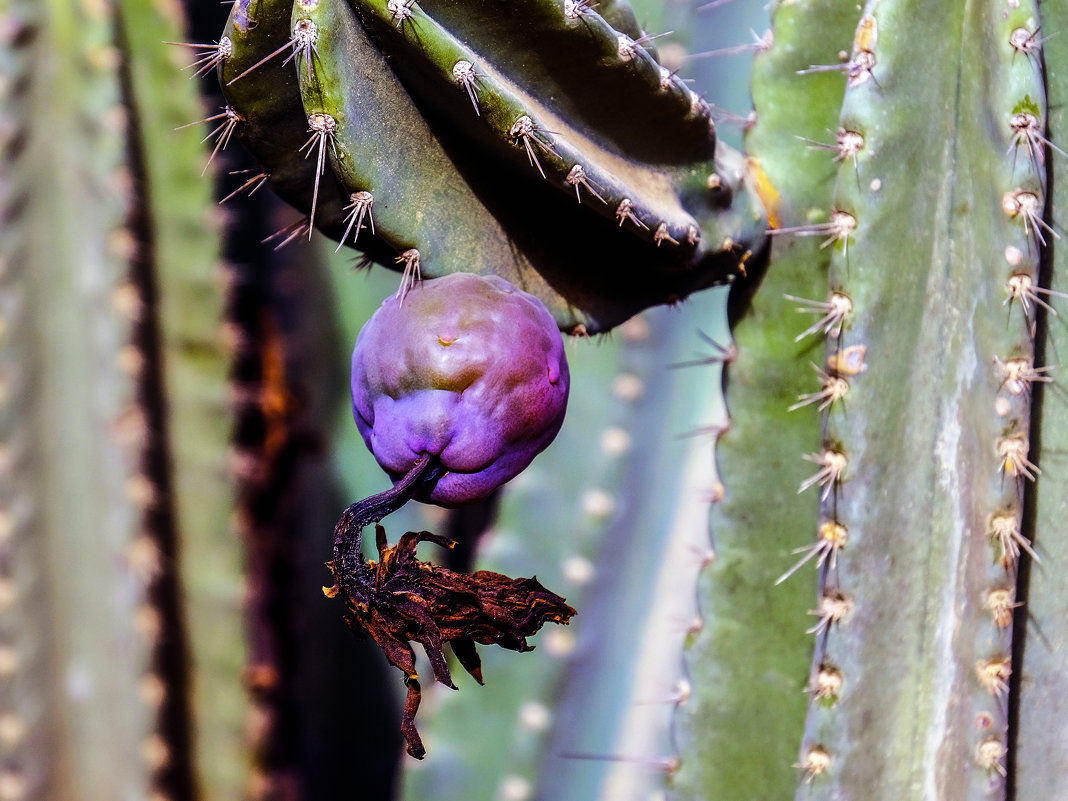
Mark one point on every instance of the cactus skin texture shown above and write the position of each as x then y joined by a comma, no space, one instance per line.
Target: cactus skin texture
151,570
450,165
112,415
926,405
727,738
464,368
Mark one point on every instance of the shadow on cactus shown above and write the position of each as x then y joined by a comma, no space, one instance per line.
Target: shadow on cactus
556,153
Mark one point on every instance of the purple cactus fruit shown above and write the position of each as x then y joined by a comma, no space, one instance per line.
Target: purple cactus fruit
467,369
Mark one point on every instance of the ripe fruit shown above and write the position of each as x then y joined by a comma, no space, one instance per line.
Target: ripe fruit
467,369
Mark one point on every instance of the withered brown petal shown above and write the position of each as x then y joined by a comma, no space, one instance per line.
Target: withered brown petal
401,600
411,706
467,655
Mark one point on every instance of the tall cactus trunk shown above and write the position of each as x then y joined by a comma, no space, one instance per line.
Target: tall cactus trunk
110,318
926,447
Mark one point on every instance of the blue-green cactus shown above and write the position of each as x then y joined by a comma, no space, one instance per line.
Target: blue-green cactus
443,187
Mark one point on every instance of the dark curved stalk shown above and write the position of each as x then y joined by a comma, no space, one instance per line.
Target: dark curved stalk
349,528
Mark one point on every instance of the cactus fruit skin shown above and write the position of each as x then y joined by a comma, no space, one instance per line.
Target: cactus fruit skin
475,189
465,368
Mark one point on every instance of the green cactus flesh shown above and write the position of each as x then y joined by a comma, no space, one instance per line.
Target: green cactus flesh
483,142
183,251
739,730
94,490
925,392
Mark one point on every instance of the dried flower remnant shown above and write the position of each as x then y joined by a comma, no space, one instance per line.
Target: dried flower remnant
400,599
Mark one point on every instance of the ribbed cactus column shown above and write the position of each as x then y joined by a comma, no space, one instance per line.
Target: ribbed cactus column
92,640
72,500
927,395
181,276
439,141
749,660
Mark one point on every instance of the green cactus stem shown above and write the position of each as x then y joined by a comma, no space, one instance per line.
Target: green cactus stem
660,215
748,662
926,391
99,489
69,519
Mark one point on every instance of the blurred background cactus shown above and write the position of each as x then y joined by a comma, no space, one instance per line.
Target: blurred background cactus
176,439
